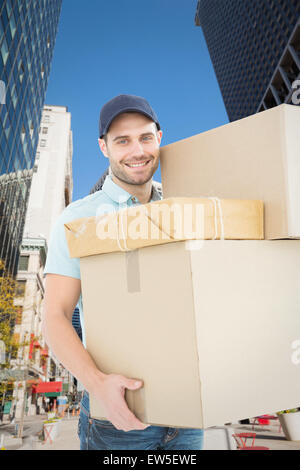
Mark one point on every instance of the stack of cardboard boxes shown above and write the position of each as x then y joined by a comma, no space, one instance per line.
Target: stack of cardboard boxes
209,321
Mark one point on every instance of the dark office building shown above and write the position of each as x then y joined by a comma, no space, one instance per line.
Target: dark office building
254,46
76,322
100,182
27,37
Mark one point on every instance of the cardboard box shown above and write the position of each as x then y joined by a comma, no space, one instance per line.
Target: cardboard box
164,221
212,329
254,158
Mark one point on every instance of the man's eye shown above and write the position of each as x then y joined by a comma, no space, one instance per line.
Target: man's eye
147,137
122,141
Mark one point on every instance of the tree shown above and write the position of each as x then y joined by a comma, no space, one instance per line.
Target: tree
8,314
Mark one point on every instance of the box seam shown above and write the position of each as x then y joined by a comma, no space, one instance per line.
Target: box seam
283,144
196,337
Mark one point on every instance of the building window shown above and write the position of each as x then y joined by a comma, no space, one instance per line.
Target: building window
43,143
4,51
45,130
23,134
20,288
19,315
12,25
21,72
46,118
14,97
23,263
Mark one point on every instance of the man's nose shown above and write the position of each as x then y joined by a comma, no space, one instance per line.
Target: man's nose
137,148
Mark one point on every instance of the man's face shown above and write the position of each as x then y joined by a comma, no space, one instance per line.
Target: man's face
132,146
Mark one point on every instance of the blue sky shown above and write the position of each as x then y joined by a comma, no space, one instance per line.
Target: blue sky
147,48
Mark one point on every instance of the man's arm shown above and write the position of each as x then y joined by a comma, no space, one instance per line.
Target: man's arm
61,296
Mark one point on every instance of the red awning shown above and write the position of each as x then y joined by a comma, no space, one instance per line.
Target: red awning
47,387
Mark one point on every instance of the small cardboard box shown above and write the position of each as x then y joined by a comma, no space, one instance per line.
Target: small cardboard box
210,326
254,158
164,221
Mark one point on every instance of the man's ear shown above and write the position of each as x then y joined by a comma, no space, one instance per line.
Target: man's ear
159,136
103,147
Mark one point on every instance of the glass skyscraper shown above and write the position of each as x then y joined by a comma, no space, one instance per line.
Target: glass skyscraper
27,36
255,50
76,322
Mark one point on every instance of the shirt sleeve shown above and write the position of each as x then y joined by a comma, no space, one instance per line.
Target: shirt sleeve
58,259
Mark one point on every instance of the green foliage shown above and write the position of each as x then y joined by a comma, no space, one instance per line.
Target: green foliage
52,420
8,311
8,315
292,410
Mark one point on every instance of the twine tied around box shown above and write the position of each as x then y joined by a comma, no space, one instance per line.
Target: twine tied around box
217,209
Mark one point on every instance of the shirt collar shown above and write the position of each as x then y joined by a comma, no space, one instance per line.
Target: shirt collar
119,195
114,191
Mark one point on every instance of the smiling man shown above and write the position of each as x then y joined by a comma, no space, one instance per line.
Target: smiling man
130,137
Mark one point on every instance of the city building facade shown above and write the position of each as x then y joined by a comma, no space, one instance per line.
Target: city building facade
247,41
27,37
52,184
51,191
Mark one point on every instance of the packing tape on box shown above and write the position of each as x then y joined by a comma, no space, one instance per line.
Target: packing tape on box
133,271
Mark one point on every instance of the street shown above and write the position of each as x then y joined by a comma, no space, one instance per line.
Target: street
33,425
67,439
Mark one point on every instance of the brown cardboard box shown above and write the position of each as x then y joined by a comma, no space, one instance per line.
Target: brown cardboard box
211,327
165,221
254,158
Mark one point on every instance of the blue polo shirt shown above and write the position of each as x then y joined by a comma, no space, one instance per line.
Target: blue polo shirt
110,198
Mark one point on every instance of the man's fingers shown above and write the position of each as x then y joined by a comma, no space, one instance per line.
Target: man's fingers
127,420
134,422
132,384
118,412
130,423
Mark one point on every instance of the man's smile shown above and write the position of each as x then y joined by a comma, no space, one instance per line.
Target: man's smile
138,165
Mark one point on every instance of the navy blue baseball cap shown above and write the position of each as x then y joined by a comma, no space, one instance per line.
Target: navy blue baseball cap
124,104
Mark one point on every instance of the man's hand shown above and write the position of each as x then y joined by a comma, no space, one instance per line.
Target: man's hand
111,393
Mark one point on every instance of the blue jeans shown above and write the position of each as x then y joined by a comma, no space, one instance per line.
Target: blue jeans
95,434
